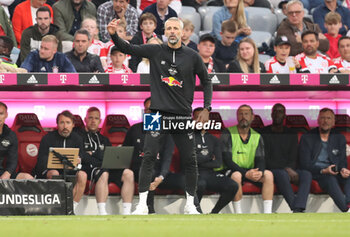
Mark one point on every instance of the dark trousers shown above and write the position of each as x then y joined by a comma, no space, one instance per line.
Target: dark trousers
217,182
330,184
185,145
282,180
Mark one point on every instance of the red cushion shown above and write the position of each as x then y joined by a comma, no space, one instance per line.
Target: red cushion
315,188
115,128
112,188
250,188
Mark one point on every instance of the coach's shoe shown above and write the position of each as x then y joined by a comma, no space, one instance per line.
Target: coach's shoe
140,210
191,209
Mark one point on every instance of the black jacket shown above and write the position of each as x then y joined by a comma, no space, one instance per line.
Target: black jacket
54,139
91,62
8,149
171,93
310,147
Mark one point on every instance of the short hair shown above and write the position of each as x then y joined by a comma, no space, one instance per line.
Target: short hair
175,19
43,9
7,42
188,23
332,18
343,38
245,105
93,109
65,113
122,23
147,16
294,2
50,38
3,104
279,105
309,32
198,109
326,109
145,101
82,32
229,26
156,39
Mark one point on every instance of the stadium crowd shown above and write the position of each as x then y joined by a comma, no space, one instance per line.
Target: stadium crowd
75,36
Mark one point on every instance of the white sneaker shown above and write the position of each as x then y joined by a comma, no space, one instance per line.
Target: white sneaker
140,210
191,210
102,213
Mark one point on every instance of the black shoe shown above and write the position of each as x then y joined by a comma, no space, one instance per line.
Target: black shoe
298,210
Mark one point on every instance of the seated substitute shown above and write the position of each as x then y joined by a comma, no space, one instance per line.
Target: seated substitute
47,59
94,144
209,157
281,152
66,138
322,151
244,158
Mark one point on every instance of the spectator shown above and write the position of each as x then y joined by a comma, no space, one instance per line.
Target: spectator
233,9
206,48
247,59
31,37
6,46
95,144
79,56
6,26
47,59
310,61
279,64
162,12
322,151
331,6
187,33
97,47
209,157
257,3
24,16
144,66
281,152
194,3
311,4
244,158
333,24
5,4
226,48
295,24
283,6
69,15
119,9
62,137
162,178
117,62
148,24
343,63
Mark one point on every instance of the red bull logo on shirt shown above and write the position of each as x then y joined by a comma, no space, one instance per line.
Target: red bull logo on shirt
171,81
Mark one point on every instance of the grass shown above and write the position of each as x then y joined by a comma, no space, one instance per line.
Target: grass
257,225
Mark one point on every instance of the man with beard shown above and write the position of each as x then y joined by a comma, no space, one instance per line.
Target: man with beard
173,75
31,37
47,59
343,63
311,61
244,158
118,9
281,152
322,151
80,58
68,15
66,138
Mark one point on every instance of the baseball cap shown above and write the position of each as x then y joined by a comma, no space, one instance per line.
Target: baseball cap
282,40
281,3
207,37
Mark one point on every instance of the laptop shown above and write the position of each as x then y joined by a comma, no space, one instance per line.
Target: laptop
117,157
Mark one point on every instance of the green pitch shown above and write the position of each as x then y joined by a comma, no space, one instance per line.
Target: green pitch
257,225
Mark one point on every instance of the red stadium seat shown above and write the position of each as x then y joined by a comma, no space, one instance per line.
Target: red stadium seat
297,122
29,134
113,189
216,117
249,188
115,128
257,122
342,123
315,188
79,123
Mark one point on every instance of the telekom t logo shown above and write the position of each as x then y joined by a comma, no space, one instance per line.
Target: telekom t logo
244,79
2,79
125,79
304,78
63,79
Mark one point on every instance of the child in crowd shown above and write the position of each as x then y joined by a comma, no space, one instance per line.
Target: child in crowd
143,66
117,62
121,31
226,49
281,63
186,34
148,23
332,22
97,47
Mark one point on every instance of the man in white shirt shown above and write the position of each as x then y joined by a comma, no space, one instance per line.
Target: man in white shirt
311,61
343,63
